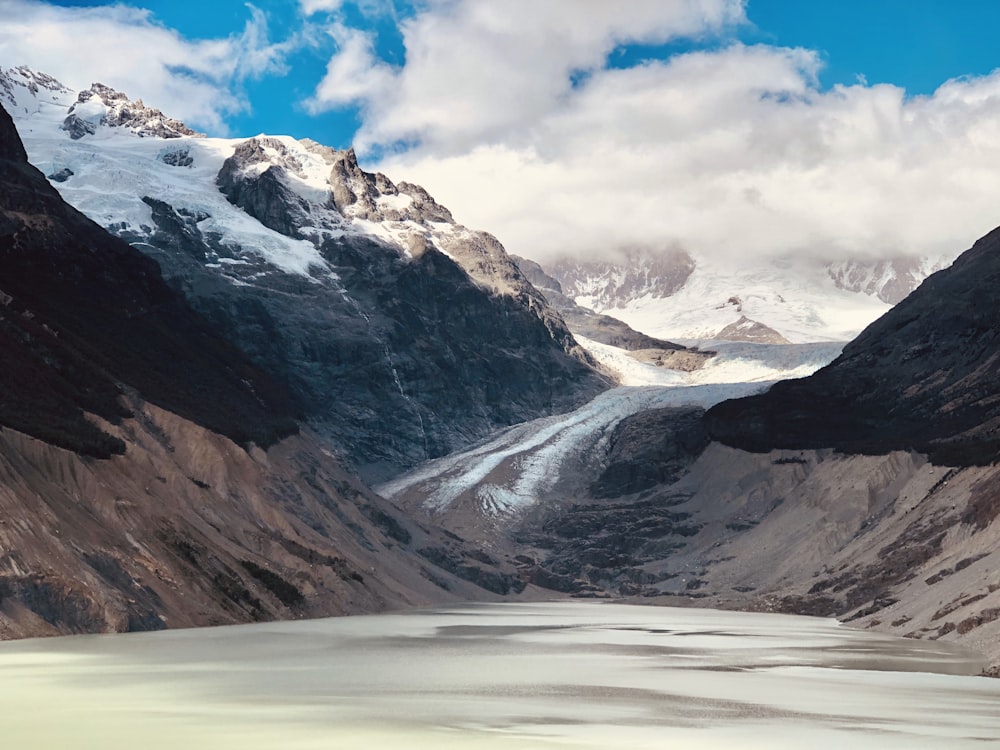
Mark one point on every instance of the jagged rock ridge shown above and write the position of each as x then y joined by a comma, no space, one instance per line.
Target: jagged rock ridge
890,280
102,105
610,284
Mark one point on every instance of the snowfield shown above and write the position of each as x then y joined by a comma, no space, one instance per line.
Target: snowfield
798,299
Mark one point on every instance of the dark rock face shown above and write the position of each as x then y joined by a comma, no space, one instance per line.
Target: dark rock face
265,196
179,157
78,127
602,542
62,175
602,547
85,316
653,447
921,377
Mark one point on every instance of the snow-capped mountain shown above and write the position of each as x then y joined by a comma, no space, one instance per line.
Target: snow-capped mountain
150,475
676,296
608,284
403,334
890,280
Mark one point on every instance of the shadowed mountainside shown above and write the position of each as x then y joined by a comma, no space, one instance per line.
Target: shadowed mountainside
135,491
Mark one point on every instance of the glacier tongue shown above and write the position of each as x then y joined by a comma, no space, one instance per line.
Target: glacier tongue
525,464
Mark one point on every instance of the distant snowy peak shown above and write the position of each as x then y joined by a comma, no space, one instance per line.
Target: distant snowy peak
890,280
613,284
23,89
103,105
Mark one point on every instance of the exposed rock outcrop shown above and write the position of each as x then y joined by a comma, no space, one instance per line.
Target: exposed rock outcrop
609,284
890,280
102,105
745,329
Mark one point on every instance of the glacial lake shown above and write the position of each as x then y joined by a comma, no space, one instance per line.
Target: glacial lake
547,675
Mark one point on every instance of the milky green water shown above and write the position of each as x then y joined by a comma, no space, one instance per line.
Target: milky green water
559,675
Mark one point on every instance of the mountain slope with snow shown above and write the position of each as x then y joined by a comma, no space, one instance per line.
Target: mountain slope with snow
799,299
150,476
403,334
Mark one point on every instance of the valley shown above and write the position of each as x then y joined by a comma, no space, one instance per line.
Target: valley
273,385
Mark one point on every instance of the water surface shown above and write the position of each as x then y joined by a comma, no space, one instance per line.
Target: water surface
556,675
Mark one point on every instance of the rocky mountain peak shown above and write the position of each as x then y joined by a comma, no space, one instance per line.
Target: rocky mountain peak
746,329
327,187
103,105
615,282
21,88
890,280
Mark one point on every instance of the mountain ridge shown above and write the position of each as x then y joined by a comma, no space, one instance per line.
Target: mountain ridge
150,476
363,295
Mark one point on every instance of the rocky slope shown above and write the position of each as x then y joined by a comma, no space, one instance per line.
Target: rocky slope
890,280
610,284
920,378
889,542
150,475
401,334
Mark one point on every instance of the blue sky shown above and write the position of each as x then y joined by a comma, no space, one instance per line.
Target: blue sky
828,127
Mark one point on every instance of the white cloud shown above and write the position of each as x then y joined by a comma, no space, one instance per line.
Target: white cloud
477,70
123,47
354,74
735,151
309,7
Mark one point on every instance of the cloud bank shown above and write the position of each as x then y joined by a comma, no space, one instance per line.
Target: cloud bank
518,118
